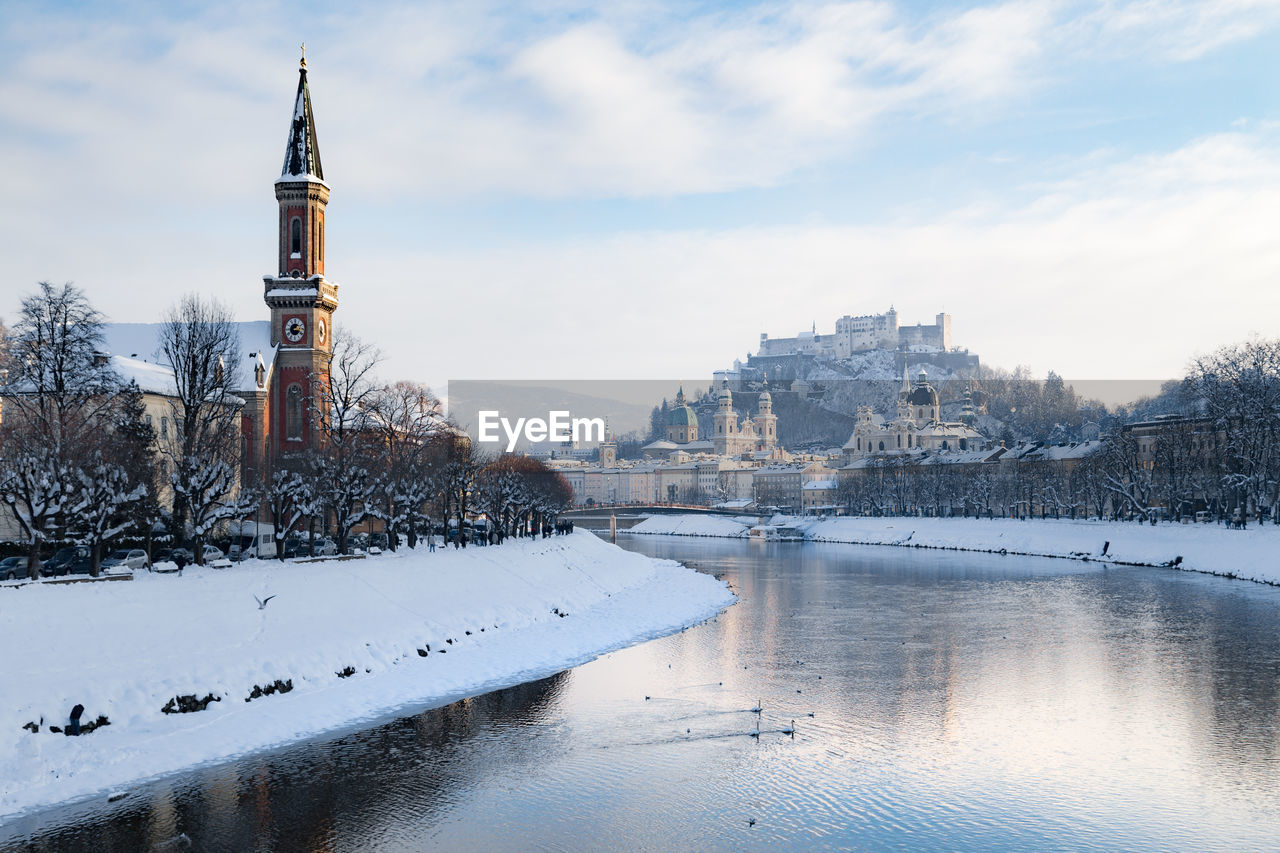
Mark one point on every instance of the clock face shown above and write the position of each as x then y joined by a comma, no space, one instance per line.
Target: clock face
320,331
294,329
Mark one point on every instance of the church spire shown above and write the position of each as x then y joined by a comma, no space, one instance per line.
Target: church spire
302,155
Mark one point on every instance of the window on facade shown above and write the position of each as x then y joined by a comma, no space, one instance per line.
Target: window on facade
882,445
295,237
293,413
164,427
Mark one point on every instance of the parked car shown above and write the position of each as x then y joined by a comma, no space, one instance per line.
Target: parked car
301,547
170,555
53,566
212,552
132,558
78,562
12,568
378,540
72,560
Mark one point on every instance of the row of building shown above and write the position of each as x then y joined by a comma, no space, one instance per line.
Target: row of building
861,334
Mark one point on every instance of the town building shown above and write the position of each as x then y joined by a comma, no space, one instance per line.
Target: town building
861,334
917,426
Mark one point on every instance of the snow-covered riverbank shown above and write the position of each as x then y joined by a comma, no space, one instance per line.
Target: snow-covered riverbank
412,630
1252,554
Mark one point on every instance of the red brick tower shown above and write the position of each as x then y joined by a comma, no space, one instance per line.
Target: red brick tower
302,301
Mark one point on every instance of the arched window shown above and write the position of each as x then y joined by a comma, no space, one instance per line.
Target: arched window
320,240
295,238
293,413
964,444
882,445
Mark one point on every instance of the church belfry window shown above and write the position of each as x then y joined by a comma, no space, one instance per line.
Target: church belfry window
293,413
295,237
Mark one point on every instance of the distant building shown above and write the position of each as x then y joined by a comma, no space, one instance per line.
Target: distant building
917,427
732,436
861,334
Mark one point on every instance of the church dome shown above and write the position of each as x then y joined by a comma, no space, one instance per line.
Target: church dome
923,395
682,416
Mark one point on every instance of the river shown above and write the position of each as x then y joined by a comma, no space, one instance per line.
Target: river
940,701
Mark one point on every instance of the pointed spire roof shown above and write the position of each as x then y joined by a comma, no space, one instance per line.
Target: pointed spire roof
302,154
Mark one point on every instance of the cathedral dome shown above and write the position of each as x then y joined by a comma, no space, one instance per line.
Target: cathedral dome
923,395
682,416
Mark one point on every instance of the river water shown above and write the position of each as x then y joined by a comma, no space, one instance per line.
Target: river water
941,701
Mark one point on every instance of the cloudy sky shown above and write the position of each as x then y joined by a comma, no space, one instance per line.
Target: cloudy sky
622,189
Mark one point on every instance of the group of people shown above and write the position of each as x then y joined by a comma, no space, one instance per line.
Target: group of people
496,535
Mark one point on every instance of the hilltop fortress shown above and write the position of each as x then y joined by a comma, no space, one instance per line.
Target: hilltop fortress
862,334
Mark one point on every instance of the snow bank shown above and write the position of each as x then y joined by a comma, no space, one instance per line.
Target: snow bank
1250,554
691,525
417,630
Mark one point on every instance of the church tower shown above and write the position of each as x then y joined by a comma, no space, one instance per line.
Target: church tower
301,299
766,420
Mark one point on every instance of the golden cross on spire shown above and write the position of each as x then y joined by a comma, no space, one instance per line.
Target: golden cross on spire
303,64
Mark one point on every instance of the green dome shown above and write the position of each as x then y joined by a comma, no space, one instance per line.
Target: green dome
682,416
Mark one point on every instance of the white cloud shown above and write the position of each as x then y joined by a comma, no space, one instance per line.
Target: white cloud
1178,30
1124,277
139,156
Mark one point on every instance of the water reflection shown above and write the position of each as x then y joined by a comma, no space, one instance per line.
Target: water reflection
941,701
323,795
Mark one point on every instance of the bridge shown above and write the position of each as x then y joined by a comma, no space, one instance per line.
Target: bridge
629,515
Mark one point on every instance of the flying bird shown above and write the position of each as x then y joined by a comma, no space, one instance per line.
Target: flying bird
262,602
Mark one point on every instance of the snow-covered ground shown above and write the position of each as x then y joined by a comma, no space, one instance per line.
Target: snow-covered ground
1252,554
419,630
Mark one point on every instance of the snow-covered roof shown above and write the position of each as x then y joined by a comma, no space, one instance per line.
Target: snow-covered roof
151,378
962,457
141,342
819,485
1058,452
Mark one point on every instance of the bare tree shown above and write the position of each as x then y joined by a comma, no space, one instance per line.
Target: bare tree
59,383
407,415
1239,388
59,392
288,498
200,341
342,398
100,511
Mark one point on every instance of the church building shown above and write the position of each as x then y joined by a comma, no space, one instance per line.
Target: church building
917,428
279,355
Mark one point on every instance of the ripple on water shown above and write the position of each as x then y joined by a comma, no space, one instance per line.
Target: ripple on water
966,702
